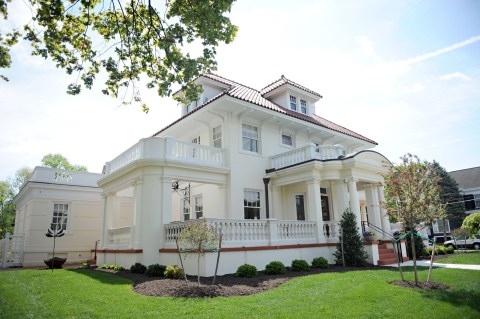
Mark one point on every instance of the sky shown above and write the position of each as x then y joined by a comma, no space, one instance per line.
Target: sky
403,73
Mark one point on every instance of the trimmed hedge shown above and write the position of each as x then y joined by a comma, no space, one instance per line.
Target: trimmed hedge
246,270
300,265
155,270
138,268
275,268
320,262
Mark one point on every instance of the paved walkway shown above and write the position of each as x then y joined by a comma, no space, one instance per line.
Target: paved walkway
426,263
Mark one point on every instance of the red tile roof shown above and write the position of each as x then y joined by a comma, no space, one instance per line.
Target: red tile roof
245,93
283,81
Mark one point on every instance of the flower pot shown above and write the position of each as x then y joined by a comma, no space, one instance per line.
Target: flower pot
57,262
370,238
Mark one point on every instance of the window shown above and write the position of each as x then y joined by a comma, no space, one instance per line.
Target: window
250,138
300,206
60,216
471,201
195,140
186,209
303,106
251,204
217,137
293,102
438,226
198,202
287,139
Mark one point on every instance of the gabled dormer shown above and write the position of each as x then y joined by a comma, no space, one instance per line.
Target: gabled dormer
212,86
291,95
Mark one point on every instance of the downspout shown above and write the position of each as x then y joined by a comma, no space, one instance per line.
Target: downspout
266,180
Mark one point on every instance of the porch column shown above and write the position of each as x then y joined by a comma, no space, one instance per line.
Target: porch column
373,206
277,212
383,212
340,194
107,217
315,206
137,214
355,201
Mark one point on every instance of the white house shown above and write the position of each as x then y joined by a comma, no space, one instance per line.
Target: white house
468,181
71,199
257,164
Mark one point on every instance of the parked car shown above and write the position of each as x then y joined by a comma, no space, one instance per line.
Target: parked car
462,243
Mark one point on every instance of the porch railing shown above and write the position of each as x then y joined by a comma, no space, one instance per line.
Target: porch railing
305,153
120,236
331,229
258,231
166,148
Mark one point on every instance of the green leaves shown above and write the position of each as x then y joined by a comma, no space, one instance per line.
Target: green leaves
126,42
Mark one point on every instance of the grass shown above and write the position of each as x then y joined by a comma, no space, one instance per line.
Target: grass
359,294
470,257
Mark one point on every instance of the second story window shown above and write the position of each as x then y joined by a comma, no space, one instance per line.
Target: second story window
287,139
293,102
303,106
217,137
250,138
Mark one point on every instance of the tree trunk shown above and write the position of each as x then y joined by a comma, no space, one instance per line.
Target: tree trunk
198,265
414,254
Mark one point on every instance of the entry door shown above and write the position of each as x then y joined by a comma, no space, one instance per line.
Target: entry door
300,205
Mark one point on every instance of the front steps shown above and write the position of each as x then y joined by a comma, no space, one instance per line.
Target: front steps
387,256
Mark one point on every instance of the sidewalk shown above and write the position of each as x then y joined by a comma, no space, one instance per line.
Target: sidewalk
426,263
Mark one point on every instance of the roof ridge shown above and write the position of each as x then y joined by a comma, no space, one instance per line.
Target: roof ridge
282,77
248,87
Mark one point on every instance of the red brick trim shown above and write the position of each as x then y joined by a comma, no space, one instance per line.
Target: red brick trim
257,248
119,251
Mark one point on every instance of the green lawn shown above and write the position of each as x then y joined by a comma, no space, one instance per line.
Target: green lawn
470,257
359,294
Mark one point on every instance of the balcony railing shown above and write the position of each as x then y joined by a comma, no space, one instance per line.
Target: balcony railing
166,148
306,153
120,237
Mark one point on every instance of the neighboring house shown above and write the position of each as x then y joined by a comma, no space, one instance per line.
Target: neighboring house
69,198
468,181
259,165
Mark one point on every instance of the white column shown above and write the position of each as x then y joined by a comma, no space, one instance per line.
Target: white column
383,212
276,211
355,201
107,217
373,206
137,214
340,195
315,206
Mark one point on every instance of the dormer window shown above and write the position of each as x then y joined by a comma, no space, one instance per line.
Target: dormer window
293,102
303,106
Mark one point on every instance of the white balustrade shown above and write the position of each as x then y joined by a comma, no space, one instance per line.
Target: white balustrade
120,236
331,229
306,153
166,148
296,230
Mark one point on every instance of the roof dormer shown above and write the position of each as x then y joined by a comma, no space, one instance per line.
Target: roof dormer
291,95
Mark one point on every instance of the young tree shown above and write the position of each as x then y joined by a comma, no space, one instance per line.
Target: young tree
450,196
412,193
126,40
199,238
61,162
472,223
353,251
7,209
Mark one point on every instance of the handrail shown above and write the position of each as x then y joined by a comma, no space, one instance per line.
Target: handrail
378,229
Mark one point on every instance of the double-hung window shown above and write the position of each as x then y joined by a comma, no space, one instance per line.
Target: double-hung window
186,208
60,216
217,136
303,106
198,204
293,102
250,138
251,204
287,139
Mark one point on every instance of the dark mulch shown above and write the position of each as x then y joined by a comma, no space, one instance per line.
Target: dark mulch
421,285
227,285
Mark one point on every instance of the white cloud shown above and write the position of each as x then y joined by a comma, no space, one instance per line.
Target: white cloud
455,75
366,46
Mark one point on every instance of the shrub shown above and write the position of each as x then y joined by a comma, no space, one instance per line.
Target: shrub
138,268
427,252
354,252
155,270
246,270
320,262
275,268
107,266
449,250
440,251
300,265
173,271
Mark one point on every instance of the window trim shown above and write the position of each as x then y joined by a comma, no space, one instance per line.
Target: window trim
259,207
293,102
302,107
219,138
199,196
68,217
183,207
258,139
292,139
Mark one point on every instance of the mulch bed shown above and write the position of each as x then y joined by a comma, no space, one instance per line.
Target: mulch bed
421,285
225,286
